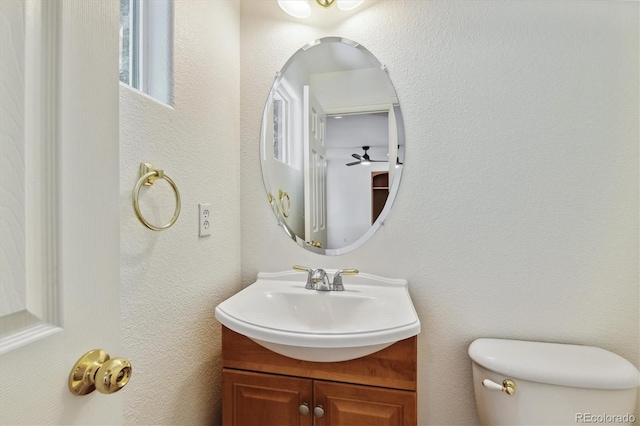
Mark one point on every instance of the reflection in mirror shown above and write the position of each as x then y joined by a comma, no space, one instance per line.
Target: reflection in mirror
332,146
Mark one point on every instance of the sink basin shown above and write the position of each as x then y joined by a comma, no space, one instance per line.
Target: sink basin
278,313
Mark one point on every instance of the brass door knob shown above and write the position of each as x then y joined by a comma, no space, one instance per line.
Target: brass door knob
96,370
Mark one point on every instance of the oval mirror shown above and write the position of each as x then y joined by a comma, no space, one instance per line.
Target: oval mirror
332,146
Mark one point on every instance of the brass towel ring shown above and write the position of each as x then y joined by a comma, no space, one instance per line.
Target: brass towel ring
148,176
285,212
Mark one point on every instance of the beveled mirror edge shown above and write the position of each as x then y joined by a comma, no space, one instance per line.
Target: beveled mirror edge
265,178
393,190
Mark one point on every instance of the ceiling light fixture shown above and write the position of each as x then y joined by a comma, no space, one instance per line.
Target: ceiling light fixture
296,8
349,4
302,8
325,3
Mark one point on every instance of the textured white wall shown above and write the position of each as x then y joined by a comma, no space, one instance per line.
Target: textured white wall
519,197
172,280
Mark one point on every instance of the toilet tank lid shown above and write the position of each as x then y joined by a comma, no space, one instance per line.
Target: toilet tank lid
554,363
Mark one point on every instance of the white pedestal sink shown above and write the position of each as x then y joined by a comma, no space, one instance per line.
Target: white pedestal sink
278,313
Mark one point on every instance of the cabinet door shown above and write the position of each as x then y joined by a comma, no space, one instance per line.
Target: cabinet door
363,405
251,399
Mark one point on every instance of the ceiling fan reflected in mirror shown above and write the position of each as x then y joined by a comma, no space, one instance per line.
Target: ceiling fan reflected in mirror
364,159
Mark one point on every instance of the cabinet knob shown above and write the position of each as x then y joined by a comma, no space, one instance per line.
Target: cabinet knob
303,409
318,411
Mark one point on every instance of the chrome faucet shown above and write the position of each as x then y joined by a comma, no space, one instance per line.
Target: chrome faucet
317,279
320,280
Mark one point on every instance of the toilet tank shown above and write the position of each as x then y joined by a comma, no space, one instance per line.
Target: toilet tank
556,384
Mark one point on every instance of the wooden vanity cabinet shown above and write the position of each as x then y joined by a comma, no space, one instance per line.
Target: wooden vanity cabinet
260,387
252,399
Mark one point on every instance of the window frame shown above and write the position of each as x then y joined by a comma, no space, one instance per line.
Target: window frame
285,94
151,48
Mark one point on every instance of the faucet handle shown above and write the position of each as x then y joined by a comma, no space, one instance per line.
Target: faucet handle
337,278
302,269
310,272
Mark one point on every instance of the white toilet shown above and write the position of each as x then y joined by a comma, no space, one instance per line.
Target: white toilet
518,383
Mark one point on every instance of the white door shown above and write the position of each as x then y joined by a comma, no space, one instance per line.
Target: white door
59,109
315,167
